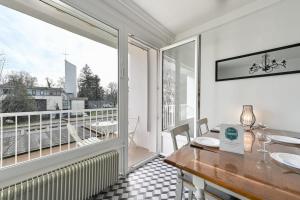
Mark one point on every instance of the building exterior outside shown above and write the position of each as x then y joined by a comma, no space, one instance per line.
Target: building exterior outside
70,79
51,98
48,99
77,103
45,98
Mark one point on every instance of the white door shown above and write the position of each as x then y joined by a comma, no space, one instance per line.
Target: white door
179,89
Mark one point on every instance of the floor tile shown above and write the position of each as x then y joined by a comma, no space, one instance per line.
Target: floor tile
154,180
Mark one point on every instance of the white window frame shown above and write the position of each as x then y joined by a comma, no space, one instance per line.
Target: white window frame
195,39
22,171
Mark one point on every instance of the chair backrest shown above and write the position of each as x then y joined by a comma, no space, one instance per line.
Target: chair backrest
73,133
133,124
202,126
180,130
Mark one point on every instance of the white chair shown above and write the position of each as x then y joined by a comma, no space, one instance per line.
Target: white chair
185,179
80,142
132,126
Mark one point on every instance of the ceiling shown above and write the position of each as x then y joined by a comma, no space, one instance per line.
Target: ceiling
181,15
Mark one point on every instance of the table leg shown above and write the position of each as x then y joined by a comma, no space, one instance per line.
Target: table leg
199,184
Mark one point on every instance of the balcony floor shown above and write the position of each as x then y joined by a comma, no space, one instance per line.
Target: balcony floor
36,154
137,154
44,152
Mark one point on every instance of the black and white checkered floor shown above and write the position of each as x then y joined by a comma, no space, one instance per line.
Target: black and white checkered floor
155,180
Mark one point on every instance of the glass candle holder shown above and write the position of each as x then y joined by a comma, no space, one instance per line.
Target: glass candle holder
247,118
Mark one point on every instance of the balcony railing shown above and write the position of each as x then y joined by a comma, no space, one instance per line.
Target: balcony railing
168,116
170,119
28,135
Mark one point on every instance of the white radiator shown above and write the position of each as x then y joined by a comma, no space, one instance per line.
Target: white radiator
78,181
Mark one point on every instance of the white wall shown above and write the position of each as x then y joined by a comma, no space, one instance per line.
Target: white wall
152,101
77,104
137,96
142,98
275,99
51,101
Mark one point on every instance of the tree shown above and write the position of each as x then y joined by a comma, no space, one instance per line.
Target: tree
60,82
50,82
18,100
89,85
2,64
169,86
112,93
20,78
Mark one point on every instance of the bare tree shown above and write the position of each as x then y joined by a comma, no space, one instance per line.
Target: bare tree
18,100
22,77
50,82
112,93
2,63
60,82
169,86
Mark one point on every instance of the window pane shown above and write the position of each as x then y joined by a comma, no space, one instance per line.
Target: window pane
63,75
179,85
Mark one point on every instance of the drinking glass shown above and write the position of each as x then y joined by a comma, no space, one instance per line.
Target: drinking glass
263,139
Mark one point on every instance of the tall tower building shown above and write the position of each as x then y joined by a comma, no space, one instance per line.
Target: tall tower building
70,78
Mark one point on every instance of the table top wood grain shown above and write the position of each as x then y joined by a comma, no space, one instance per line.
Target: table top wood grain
253,175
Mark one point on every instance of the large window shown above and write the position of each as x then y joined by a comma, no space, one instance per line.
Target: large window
61,72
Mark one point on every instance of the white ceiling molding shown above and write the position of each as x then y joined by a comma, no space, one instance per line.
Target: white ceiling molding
145,19
140,24
138,21
236,14
125,13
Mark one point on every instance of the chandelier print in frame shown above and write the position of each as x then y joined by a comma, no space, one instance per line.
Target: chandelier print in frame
278,61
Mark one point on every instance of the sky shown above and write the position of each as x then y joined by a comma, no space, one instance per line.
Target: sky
38,48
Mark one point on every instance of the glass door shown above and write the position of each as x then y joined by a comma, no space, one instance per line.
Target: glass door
179,90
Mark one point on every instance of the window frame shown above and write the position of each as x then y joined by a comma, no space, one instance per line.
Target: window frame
195,39
15,173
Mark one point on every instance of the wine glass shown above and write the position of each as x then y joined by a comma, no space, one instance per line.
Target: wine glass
263,139
262,126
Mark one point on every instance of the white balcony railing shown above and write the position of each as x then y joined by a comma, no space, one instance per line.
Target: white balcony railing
185,112
28,135
168,116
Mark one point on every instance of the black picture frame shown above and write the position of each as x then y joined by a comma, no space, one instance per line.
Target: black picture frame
217,62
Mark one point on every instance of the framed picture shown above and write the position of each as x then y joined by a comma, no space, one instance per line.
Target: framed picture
278,61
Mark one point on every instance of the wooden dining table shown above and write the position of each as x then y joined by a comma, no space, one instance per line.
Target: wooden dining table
253,175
